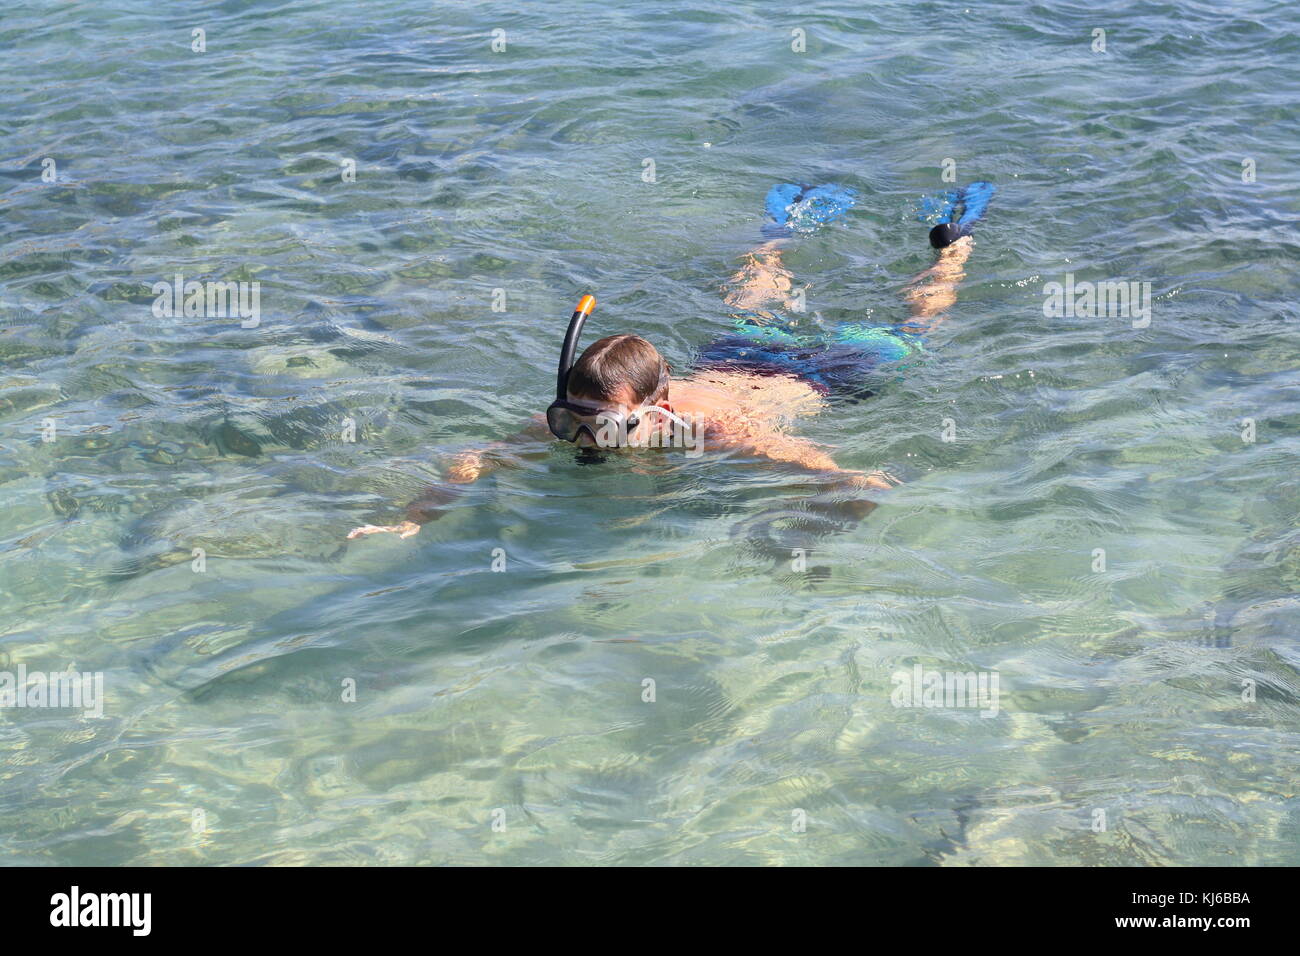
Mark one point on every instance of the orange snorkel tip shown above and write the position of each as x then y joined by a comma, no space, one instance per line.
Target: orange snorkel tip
584,308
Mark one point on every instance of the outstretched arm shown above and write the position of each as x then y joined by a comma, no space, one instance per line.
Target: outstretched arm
779,446
470,466
934,290
464,468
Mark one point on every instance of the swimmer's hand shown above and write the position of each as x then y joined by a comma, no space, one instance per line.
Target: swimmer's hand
426,508
403,530
878,480
855,507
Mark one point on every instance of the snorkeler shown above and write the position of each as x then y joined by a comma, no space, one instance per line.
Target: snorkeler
749,386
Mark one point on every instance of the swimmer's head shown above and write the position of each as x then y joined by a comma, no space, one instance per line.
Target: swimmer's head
621,374
945,234
619,369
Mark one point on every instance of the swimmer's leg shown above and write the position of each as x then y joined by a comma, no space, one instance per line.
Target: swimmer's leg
761,282
790,209
931,292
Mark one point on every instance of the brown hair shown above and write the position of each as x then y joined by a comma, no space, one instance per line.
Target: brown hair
617,360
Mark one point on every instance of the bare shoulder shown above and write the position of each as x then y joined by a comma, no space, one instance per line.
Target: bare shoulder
765,397
743,410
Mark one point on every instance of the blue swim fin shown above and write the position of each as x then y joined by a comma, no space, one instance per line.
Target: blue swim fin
777,205
972,200
803,209
938,208
976,197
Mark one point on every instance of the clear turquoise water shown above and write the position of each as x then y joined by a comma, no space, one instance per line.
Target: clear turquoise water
517,696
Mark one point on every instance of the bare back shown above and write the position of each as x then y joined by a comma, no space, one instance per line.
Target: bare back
750,412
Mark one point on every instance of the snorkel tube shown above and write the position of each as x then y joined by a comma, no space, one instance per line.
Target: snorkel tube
584,308
560,410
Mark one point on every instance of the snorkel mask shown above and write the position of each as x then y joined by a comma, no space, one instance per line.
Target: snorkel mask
567,420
